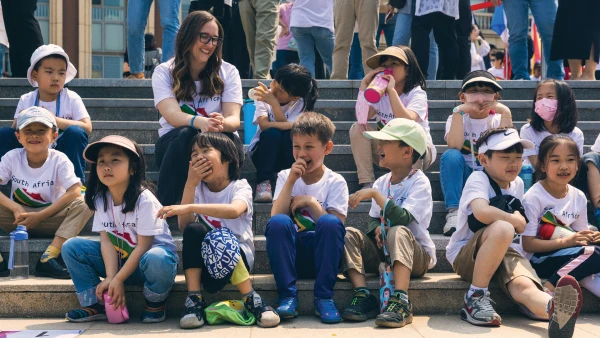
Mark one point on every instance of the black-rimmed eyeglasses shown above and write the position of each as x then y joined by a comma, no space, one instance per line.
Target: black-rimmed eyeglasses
206,38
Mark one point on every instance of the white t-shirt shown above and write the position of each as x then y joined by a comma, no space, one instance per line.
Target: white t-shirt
528,133
141,221
71,105
292,111
570,211
414,195
415,100
498,73
312,13
478,186
37,187
162,86
475,127
596,146
331,191
241,226
533,78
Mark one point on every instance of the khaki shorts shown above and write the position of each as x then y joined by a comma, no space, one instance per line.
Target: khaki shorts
513,265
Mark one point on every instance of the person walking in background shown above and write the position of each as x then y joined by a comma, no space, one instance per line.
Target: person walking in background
137,19
517,17
346,13
3,42
579,39
287,50
23,31
440,17
479,49
312,27
387,23
463,31
260,19
152,55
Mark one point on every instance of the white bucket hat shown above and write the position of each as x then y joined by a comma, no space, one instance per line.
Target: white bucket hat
45,50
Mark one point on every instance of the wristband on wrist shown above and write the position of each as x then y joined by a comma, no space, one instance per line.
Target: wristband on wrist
192,122
455,110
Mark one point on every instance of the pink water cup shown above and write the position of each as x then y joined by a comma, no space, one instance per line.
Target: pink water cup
376,89
115,315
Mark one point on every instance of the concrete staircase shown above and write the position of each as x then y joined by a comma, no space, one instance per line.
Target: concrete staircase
125,107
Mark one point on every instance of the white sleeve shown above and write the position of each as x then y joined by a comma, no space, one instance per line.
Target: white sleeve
477,187
532,211
78,110
243,192
162,83
147,223
233,87
418,103
337,198
448,124
375,208
580,223
527,134
261,110
419,201
596,146
281,178
66,171
5,167
484,49
99,215
578,138
24,103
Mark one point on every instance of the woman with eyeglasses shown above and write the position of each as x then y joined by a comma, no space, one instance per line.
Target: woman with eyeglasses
195,92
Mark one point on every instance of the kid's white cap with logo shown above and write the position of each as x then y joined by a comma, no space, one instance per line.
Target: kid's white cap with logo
35,114
504,140
46,50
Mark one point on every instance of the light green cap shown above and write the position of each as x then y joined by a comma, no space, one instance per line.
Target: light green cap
405,130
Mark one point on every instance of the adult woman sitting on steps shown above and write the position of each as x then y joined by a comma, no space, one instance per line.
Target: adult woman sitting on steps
194,92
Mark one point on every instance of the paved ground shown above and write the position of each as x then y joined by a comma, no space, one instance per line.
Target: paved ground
423,326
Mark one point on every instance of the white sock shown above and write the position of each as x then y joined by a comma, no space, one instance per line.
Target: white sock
592,283
474,288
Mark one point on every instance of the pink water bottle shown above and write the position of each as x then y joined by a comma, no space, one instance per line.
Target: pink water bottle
376,89
115,315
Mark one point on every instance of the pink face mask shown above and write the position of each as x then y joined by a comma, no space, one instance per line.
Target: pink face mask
479,97
546,108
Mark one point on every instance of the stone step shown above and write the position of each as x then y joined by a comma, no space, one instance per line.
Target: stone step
435,293
328,89
146,132
112,109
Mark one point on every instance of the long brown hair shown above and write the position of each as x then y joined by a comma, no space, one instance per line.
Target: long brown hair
211,84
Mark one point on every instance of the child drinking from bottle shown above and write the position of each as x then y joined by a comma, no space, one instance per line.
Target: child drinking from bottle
554,112
292,92
135,245
553,207
404,97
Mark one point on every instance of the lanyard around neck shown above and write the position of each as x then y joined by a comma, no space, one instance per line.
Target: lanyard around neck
412,172
37,102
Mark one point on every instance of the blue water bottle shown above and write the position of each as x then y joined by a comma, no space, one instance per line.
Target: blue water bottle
249,128
18,261
526,175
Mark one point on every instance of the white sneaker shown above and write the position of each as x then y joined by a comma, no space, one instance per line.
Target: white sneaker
450,226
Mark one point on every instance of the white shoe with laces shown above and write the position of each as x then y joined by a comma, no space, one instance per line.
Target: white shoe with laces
450,226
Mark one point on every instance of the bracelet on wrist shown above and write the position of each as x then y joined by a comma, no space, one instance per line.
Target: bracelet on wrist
192,122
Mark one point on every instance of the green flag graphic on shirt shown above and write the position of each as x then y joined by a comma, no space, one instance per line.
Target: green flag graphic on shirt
30,199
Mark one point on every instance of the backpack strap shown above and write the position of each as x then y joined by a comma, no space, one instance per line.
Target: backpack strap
494,185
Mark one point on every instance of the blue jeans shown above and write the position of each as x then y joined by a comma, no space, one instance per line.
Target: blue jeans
402,34
83,258
2,54
453,167
544,13
284,58
355,66
309,254
388,30
307,38
71,142
137,18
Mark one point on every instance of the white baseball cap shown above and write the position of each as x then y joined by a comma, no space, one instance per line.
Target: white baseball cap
504,140
45,50
35,114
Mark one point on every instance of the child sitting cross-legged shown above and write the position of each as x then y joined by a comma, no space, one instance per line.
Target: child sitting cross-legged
485,246
215,216
405,196
310,242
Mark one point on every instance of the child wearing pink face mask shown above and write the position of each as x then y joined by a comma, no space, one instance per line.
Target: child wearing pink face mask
554,112
479,111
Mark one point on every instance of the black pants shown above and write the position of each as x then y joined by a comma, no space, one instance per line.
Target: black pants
23,31
574,261
172,156
191,253
463,30
272,153
445,36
